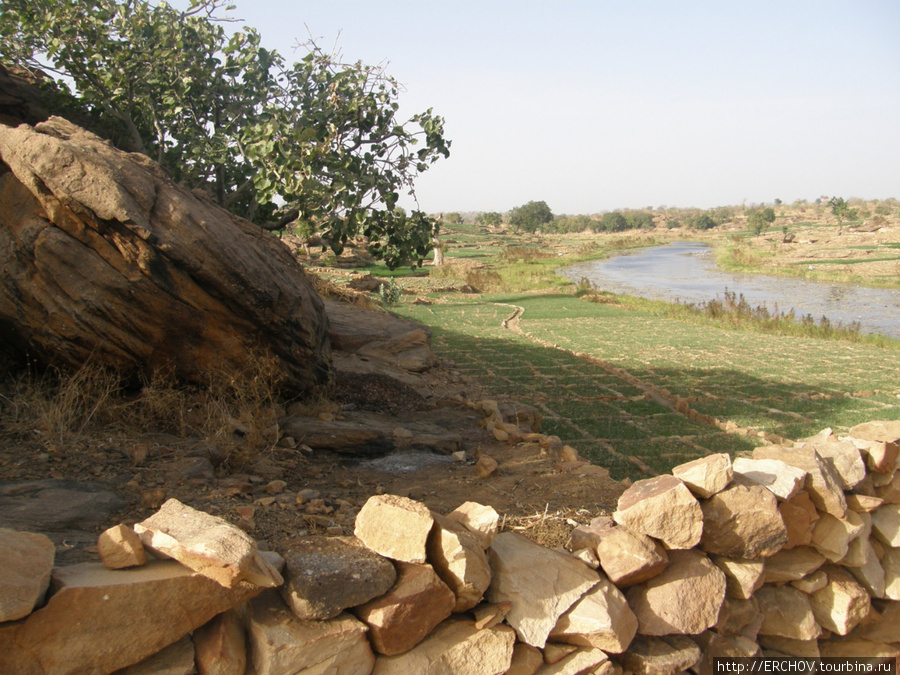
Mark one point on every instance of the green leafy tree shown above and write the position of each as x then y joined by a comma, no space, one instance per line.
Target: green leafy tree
317,140
760,219
489,218
530,217
613,221
841,210
704,222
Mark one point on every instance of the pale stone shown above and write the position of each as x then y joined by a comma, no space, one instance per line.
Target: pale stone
791,647
661,655
707,475
540,584
555,651
326,575
589,536
121,547
220,646
396,527
793,564
716,646
886,524
799,514
628,558
583,660
743,577
742,521
842,604
281,643
780,478
482,521
526,660
459,561
870,574
685,598
588,556
857,550
486,465
27,561
890,493
863,503
881,456
207,544
662,508
786,612
454,648
846,460
490,614
736,616
814,582
890,563
130,611
832,536
859,649
407,613
822,482
877,431
176,659
601,619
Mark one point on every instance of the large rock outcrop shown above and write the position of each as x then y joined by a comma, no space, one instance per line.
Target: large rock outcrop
102,256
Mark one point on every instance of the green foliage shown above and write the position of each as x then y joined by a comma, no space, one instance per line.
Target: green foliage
842,210
489,218
318,139
613,222
453,218
390,294
566,224
760,219
530,217
704,222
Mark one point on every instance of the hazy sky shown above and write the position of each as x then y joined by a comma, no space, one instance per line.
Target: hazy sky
597,105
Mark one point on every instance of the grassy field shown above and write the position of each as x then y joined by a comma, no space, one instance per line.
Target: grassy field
634,386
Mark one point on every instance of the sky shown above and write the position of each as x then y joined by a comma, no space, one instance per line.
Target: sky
599,105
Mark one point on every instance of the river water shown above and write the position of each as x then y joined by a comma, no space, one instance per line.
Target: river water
686,271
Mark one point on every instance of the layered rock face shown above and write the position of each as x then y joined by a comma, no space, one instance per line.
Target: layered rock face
420,592
102,256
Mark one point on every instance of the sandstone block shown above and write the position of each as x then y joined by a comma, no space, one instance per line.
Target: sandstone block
881,457
121,547
863,503
176,659
737,617
409,611
857,549
588,536
583,660
890,562
793,564
526,660
822,482
661,655
220,646
801,648
628,558
799,514
539,583
743,577
281,643
886,524
104,620
842,604
890,493
845,458
860,649
459,561
884,628
870,574
601,619
706,476
396,527
455,647
886,431
482,521
780,478
814,582
207,544
25,572
786,612
716,646
742,521
662,508
684,599
326,575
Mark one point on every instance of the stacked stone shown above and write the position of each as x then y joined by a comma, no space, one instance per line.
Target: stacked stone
794,551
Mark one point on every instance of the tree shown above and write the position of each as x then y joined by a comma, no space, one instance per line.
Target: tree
530,217
489,218
760,219
613,221
317,140
842,211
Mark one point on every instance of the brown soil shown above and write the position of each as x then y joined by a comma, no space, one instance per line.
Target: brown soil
323,491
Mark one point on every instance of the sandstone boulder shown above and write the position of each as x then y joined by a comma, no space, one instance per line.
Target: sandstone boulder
130,614
326,575
842,604
540,584
408,612
822,482
786,613
706,476
526,660
220,646
890,563
844,457
178,658
742,521
799,514
395,527
459,560
629,558
743,577
662,508
792,564
780,478
207,544
581,660
482,521
119,547
661,655
886,524
24,573
832,536
601,619
455,647
684,599
104,256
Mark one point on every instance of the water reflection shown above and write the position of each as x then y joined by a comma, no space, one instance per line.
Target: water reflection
686,271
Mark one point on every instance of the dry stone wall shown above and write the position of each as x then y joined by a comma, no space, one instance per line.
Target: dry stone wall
794,551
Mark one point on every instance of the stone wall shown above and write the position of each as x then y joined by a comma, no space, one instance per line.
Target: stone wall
793,551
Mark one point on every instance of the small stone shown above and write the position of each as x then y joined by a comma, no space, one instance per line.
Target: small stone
25,572
486,466
600,619
629,558
395,527
706,476
120,547
793,564
886,524
814,582
662,508
276,486
842,604
220,646
482,521
526,660
799,514
743,577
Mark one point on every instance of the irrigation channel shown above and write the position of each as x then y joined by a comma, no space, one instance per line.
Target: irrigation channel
687,272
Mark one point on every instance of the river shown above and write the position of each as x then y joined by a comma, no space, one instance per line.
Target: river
687,272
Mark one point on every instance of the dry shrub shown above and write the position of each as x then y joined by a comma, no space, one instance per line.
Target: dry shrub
484,280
